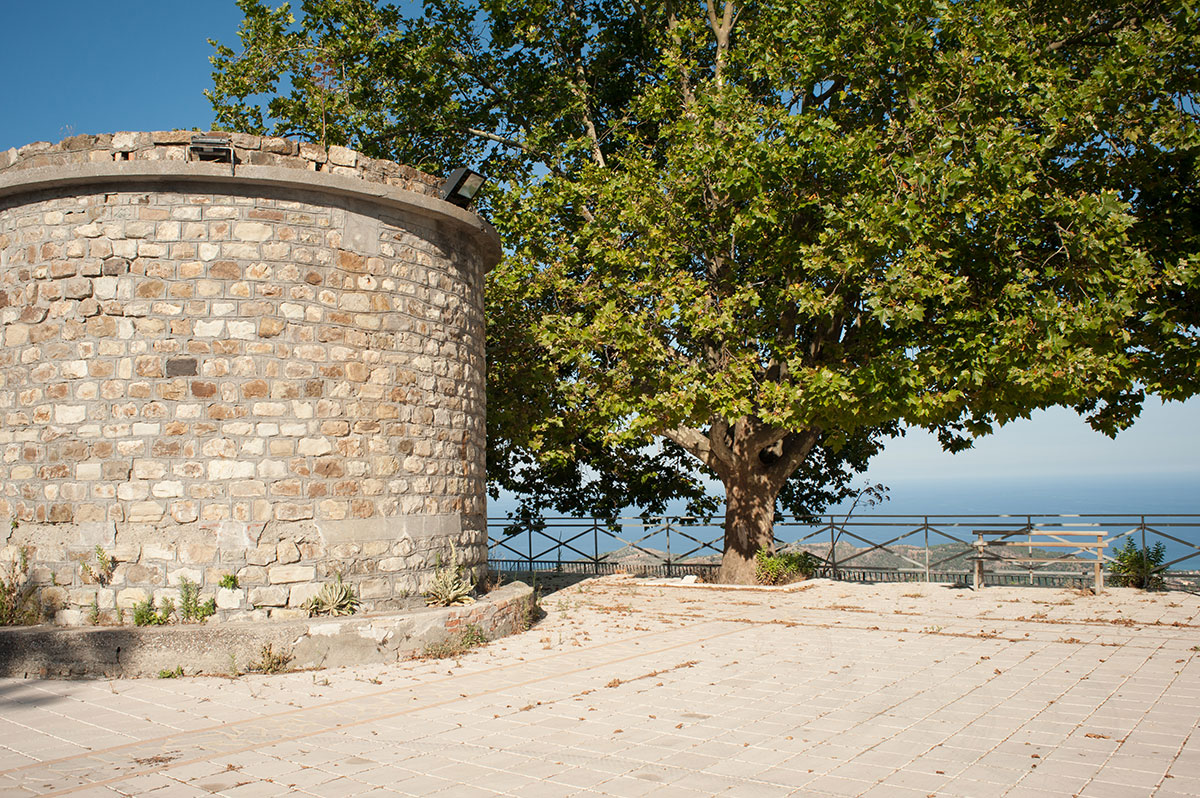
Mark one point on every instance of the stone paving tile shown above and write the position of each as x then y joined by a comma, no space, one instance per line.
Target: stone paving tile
627,688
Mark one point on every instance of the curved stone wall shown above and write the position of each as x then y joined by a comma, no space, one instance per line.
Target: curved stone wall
272,370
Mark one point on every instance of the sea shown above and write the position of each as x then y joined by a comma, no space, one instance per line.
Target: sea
1168,502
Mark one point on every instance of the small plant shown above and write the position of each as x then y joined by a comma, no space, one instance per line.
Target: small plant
449,585
470,637
335,598
174,673
190,606
784,567
229,581
145,613
94,611
270,662
1138,567
103,572
18,593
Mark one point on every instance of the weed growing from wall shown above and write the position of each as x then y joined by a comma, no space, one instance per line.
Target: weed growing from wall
449,586
145,613
102,573
18,593
190,606
335,598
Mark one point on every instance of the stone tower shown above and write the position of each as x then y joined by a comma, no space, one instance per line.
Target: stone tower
248,357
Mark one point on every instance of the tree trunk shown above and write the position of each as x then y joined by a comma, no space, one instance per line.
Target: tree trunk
749,525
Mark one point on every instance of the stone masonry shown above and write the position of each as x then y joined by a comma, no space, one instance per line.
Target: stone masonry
272,369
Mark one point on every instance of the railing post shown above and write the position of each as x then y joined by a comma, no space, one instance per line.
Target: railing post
529,533
925,529
668,529
1142,529
595,546
833,571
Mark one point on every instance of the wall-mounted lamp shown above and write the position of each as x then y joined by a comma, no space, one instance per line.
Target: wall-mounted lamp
461,186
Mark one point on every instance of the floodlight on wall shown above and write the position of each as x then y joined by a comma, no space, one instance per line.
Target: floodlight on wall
212,148
461,186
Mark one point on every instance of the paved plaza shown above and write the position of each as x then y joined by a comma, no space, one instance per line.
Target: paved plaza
629,688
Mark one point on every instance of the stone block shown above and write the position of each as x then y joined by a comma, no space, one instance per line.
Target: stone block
128,597
167,489
156,551
70,414
149,469
229,598
252,575
283,574
145,512
293,512
185,512
77,288
314,447
342,156
270,326
181,367
261,555
286,552
175,578
268,596
198,553
299,594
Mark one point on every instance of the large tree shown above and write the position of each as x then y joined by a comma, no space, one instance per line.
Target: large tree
746,240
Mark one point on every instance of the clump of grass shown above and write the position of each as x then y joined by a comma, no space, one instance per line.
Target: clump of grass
449,585
191,608
471,636
174,673
270,661
146,614
229,581
783,568
18,592
335,598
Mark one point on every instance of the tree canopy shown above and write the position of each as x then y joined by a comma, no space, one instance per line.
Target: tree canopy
749,240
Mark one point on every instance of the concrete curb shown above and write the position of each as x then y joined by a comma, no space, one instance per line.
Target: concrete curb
128,651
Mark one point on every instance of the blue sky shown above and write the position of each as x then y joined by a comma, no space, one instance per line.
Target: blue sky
84,67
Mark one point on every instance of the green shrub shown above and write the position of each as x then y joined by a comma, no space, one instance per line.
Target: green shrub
335,598
229,582
1135,567
145,613
784,567
171,674
190,606
18,593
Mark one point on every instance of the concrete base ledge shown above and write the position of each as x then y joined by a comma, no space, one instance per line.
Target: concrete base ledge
231,648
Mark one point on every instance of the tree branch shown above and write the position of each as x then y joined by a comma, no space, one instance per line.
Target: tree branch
502,140
796,446
698,445
721,29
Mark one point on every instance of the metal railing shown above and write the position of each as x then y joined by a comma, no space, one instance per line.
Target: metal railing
929,548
